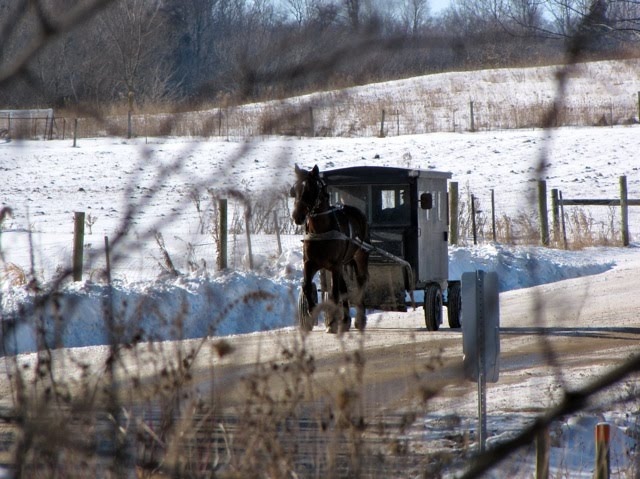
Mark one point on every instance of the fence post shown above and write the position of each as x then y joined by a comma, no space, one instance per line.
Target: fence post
222,234
473,219
312,124
493,214
397,122
473,123
277,228
603,434
78,244
555,215
542,211
382,125
564,228
75,131
247,225
453,212
624,211
543,444
107,254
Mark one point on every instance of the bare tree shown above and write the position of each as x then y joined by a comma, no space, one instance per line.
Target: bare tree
414,14
131,33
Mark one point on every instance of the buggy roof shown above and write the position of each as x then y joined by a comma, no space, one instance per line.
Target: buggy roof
379,174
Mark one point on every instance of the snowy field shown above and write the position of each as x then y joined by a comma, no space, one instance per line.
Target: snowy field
45,182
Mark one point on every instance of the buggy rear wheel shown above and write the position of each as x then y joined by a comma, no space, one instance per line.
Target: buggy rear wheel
454,304
432,307
306,319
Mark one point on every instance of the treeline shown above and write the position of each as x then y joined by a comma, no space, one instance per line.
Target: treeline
153,53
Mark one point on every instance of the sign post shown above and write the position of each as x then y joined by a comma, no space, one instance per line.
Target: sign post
481,338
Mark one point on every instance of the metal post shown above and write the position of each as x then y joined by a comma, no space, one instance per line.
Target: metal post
78,245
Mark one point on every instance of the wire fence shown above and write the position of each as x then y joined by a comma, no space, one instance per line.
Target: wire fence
339,118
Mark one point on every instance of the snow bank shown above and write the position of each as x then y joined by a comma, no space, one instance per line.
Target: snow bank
200,305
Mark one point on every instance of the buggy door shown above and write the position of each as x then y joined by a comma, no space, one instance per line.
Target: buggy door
433,224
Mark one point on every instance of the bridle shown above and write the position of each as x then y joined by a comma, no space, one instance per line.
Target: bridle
312,209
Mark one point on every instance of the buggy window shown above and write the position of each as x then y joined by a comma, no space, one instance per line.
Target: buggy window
350,195
390,204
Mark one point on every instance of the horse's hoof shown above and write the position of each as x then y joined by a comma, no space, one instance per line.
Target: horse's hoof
330,330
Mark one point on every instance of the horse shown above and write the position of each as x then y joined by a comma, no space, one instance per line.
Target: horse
335,237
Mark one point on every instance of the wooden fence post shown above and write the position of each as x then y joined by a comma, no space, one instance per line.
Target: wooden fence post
277,228
453,212
473,219
107,254
493,214
603,435
543,444
222,234
624,211
542,211
473,122
382,125
75,131
555,215
312,127
564,227
78,245
397,122
247,227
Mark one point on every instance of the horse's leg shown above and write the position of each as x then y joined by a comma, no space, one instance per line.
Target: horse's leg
361,265
344,296
309,271
335,320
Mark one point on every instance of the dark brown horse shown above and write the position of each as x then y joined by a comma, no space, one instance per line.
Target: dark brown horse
333,240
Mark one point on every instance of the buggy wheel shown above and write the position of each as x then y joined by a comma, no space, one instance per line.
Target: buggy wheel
432,307
454,305
306,320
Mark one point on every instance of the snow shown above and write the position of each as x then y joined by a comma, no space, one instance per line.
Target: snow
45,182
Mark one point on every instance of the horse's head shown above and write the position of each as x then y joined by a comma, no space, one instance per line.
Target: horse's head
307,192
